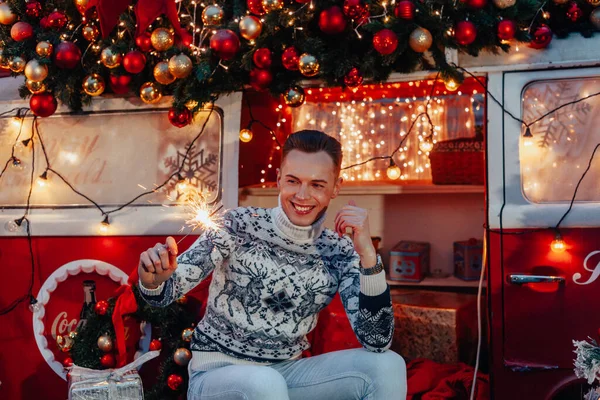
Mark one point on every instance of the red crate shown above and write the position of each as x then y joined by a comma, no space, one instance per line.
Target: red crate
458,162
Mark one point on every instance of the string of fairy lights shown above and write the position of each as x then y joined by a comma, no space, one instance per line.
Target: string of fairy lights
203,214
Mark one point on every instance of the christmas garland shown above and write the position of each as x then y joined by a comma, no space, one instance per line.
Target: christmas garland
73,50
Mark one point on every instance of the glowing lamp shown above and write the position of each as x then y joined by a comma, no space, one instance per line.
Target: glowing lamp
558,245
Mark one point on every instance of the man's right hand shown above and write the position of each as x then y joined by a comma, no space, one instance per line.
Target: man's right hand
158,263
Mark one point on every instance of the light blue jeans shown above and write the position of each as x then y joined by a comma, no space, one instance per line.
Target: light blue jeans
355,374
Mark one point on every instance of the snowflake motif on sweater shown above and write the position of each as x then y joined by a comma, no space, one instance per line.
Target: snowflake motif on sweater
267,289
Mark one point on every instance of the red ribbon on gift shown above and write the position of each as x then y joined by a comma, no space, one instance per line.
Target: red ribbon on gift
125,305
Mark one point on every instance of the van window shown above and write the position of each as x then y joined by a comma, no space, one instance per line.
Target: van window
553,161
111,158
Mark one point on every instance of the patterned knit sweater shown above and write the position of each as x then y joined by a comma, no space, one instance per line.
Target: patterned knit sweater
270,280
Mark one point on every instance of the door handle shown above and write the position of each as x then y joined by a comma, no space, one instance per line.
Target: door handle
522,279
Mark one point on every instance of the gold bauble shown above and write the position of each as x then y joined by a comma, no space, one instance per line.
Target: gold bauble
162,39
272,5
191,105
111,58
250,27
93,85
90,32
150,93
593,3
180,66
308,65
34,71
182,356
162,74
105,343
502,4
81,5
420,40
246,135
212,15
187,334
44,49
64,343
35,87
294,97
595,18
17,64
96,48
7,17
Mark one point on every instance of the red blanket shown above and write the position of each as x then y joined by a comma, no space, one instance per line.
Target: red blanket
428,380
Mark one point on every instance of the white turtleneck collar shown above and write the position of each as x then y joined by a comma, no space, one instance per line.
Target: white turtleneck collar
297,233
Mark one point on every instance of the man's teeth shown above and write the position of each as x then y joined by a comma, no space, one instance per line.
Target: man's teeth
302,209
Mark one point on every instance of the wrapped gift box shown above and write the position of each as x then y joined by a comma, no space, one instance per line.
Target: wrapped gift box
468,257
439,326
409,261
126,387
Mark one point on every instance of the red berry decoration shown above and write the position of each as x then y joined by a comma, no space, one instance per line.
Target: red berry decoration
101,307
477,4
67,55
262,58
574,13
332,21
405,10
21,31
134,62
356,10
119,84
506,30
155,345
57,20
260,79
33,9
255,7
542,36
174,381
107,360
385,41
289,58
43,104
68,362
180,117
143,42
225,43
465,33
353,78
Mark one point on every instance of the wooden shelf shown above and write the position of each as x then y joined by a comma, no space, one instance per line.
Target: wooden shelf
450,281
371,188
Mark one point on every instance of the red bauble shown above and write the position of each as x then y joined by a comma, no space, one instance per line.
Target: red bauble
255,7
107,360
101,307
143,42
289,58
465,33
506,29
477,4
180,118
33,9
43,104
385,41
225,43
405,10
68,362
356,10
21,31
542,36
57,20
262,58
67,55
353,78
574,13
155,345
134,62
44,23
174,381
260,79
332,21
303,1
119,84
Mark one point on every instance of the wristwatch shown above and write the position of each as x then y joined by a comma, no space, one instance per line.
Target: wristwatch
374,270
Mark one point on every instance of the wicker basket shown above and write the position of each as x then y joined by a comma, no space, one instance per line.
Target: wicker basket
458,162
